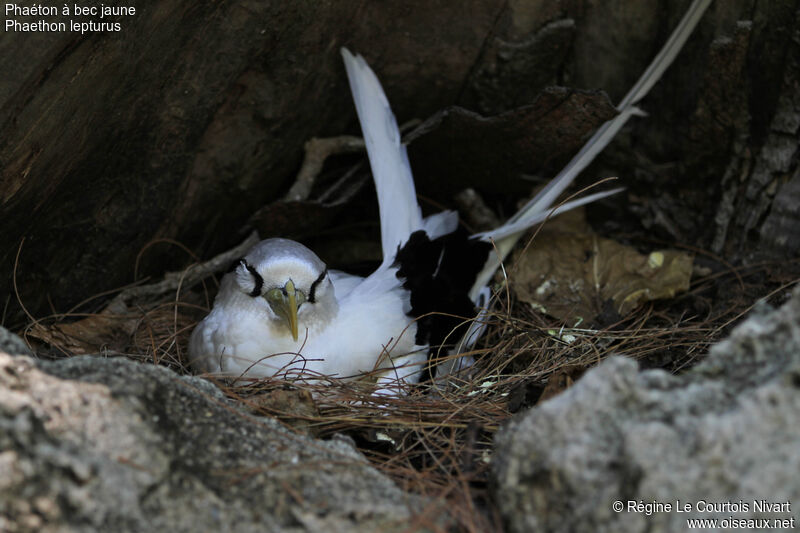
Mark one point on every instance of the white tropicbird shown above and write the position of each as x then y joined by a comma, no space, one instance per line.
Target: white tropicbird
282,313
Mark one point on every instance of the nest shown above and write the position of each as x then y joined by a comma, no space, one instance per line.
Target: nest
435,441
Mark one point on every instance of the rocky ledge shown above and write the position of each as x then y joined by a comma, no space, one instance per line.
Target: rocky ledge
98,444
722,439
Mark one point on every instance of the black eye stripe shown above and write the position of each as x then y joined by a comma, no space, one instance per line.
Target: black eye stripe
235,264
259,281
313,289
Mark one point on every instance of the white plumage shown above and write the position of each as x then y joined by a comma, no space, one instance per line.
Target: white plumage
341,333
282,313
353,325
397,197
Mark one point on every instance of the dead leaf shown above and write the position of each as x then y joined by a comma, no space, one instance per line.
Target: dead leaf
561,380
571,273
112,328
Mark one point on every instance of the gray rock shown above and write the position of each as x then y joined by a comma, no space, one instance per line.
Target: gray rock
11,343
723,438
93,444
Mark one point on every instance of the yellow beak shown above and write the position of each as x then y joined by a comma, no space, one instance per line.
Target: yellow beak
284,303
291,308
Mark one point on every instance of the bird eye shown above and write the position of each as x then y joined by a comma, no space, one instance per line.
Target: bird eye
275,295
278,294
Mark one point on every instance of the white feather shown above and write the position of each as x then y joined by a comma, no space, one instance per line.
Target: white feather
397,198
344,283
239,337
440,224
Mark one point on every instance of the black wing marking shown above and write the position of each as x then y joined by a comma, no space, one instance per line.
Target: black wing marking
439,274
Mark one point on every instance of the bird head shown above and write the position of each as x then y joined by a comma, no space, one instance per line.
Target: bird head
291,280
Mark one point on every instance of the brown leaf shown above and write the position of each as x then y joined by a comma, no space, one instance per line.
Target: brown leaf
112,329
572,274
561,380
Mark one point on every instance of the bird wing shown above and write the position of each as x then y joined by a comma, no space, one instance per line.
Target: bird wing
343,283
400,213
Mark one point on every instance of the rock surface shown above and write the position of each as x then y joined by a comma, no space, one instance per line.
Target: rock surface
727,431
11,343
93,444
